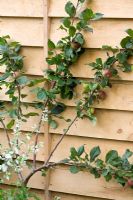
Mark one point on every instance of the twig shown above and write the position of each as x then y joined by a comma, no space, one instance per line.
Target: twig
6,132
38,130
47,164
60,140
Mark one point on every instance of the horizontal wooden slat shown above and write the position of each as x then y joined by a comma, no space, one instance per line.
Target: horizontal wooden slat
113,9
119,97
23,8
85,184
81,69
73,141
29,32
106,32
33,60
64,196
110,124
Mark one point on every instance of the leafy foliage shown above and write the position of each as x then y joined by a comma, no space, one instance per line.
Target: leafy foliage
95,91
113,167
17,194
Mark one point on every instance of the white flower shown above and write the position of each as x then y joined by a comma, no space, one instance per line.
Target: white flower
4,167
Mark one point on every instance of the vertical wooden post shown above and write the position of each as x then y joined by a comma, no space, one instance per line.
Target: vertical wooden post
47,136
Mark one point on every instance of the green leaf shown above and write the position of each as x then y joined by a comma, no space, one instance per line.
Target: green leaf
5,76
72,31
99,61
109,48
79,38
51,45
41,94
58,108
108,177
31,114
122,57
13,113
93,86
127,42
70,9
111,155
66,22
73,153
97,16
22,80
86,15
94,153
36,81
80,150
53,124
81,1
121,180
127,154
11,124
74,169
130,32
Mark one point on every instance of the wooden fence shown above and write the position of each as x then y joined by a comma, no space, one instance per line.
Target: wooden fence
32,22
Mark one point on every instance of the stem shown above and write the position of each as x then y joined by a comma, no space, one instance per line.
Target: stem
60,140
19,97
6,132
9,143
38,129
47,164
73,19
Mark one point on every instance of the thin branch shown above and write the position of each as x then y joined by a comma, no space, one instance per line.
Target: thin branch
38,129
60,140
47,164
6,133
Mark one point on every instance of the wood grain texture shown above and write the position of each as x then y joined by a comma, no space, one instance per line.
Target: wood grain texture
85,184
28,31
74,141
65,196
116,125
113,9
21,8
106,32
33,60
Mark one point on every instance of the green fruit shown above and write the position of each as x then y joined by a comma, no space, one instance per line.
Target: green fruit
86,87
91,111
131,67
